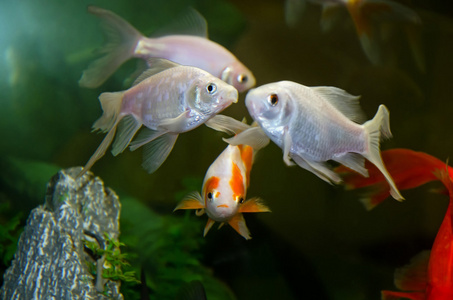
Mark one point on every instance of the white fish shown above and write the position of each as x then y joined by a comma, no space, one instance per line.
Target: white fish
125,42
315,124
224,190
167,99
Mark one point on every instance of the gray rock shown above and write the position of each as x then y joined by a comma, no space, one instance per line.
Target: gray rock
51,260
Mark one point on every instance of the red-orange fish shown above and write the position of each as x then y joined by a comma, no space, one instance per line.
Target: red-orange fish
408,168
430,276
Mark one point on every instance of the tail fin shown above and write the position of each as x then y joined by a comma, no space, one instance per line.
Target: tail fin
122,39
111,105
380,125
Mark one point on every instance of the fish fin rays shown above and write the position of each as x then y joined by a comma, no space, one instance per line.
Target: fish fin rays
226,124
175,124
191,201
375,127
145,136
254,205
190,22
254,137
208,226
111,105
238,224
157,151
346,103
319,169
127,128
354,162
156,65
122,39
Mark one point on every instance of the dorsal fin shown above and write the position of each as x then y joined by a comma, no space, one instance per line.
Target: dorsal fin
156,65
190,22
346,103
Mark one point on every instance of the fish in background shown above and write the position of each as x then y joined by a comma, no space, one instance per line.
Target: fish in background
374,20
223,195
313,125
409,169
167,99
192,48
429,275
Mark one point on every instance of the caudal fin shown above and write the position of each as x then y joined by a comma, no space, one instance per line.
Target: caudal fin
111,105
122,38
380,125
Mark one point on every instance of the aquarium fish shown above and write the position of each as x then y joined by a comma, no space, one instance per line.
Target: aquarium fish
194,49
409,169
223,196
366,16
429,276
315,124
167,99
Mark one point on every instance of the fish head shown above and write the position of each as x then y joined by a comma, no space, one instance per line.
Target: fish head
212,95
270,104
238,76
223,200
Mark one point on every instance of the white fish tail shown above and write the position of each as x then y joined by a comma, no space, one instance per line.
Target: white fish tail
111,105
380,125
122,39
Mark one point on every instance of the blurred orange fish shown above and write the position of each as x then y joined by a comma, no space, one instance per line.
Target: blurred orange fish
368,17
429,276
408,168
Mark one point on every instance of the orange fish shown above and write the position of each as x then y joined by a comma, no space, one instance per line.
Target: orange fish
223,195
430,277
408,168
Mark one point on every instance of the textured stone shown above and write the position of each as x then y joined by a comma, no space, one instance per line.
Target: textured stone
51,261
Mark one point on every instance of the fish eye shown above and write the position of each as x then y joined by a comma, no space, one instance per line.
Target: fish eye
211,88
209,196
242,78
241,200
273,99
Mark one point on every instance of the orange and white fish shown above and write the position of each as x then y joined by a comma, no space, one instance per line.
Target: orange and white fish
223,195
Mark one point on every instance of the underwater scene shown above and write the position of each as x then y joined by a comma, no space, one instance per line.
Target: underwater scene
226,149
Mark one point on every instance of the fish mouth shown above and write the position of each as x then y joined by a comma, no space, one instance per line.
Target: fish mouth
222,205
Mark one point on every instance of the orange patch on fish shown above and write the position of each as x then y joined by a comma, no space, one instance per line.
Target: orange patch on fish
222,205
211,184
237,182
247,158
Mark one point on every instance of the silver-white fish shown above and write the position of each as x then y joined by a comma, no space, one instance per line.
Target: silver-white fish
315,124
167,99
193,49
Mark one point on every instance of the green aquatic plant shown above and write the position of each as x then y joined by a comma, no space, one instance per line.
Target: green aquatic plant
10,231
110,263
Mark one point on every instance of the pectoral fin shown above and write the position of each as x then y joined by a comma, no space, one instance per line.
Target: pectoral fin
254,137
175,124
238,223
287,142
191,201
253,205
157,151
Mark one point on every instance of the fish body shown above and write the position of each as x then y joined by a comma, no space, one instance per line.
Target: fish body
429,276
315,124
223,195
125,42
167,99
